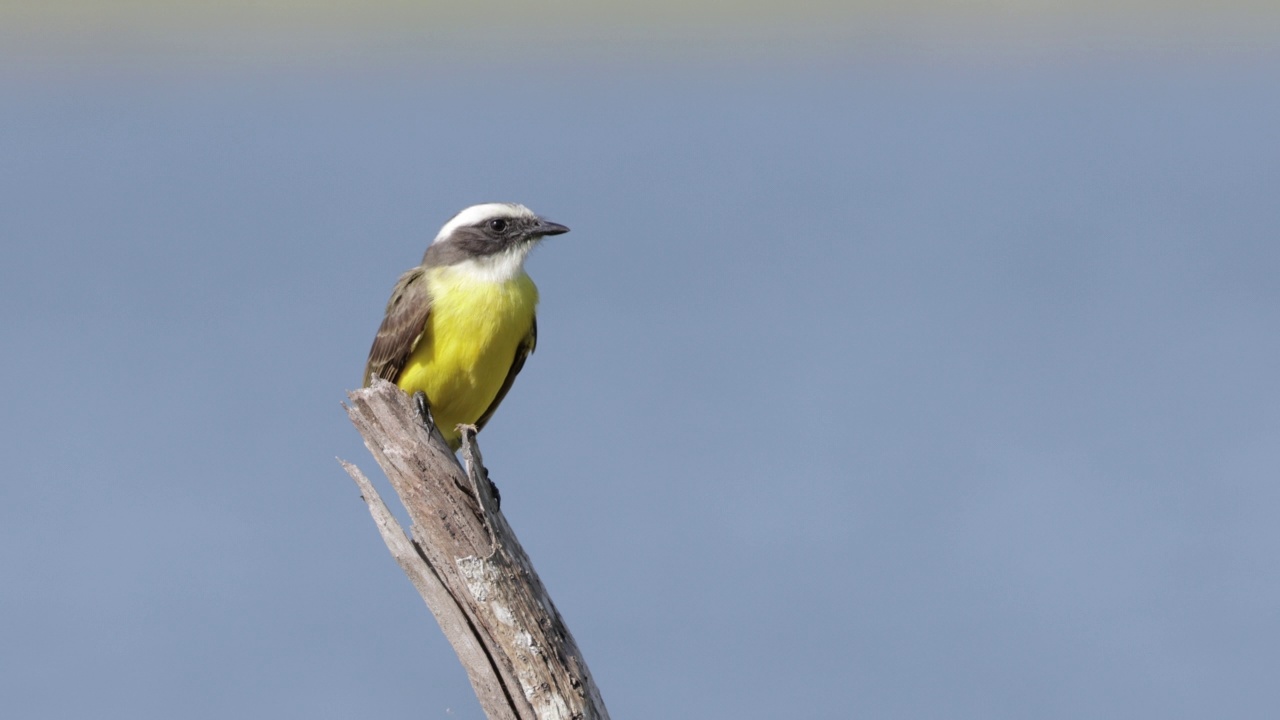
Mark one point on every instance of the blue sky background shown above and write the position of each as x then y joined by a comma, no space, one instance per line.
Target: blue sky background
875,379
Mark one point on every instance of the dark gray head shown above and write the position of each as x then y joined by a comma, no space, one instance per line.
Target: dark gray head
500,232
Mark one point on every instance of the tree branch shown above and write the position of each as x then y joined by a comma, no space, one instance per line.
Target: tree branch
468,566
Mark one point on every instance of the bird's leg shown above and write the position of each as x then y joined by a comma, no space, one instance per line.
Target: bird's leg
493,489
471,451
422,409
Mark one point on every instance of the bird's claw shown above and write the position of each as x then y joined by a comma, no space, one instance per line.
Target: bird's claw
422,409
497,496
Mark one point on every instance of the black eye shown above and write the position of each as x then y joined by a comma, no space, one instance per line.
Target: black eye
497,225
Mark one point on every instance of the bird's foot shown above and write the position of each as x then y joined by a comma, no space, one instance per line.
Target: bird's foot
422,409
497,496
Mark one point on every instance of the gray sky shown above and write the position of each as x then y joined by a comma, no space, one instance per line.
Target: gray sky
870,383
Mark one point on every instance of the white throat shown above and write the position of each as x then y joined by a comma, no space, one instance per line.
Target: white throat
497,268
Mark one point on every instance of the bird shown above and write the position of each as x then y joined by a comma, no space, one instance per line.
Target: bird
459,326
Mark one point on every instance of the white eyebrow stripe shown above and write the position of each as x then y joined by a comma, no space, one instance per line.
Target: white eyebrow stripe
477,214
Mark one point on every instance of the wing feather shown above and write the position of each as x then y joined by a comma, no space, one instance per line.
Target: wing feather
401,328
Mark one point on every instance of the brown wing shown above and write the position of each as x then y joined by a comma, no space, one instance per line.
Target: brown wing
402,327
525,347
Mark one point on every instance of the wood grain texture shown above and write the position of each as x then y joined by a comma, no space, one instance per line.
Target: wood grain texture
467,564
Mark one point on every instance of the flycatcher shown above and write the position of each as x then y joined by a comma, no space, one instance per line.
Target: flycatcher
459,326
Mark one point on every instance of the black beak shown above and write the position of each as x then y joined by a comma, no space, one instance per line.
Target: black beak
549,228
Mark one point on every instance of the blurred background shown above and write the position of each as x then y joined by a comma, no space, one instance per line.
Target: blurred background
911,360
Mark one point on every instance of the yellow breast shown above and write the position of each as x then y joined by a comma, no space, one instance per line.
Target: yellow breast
469,343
